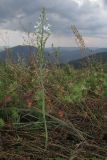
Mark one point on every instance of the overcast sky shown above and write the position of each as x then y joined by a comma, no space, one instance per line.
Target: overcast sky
89,16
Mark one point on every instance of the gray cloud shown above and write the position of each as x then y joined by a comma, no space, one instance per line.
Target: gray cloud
90,17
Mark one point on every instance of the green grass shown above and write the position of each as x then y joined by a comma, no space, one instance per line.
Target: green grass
68,93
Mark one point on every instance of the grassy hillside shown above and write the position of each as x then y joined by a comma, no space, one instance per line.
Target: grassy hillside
76,112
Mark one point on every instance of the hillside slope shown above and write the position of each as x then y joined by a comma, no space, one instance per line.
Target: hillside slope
98,57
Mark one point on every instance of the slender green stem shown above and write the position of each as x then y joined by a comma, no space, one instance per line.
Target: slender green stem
43,105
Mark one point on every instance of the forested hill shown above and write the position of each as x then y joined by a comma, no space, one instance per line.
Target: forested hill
98,57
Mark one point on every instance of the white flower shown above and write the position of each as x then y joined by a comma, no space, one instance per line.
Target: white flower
42,29
42,26
46,28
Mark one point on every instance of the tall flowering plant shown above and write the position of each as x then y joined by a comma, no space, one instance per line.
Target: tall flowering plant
42,31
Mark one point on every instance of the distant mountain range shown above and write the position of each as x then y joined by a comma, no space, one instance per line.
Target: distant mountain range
66,55
18,51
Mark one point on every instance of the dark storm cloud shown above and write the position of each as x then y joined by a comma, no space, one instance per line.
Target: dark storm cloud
90,18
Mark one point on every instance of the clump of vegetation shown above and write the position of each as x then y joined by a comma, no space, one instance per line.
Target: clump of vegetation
70,104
